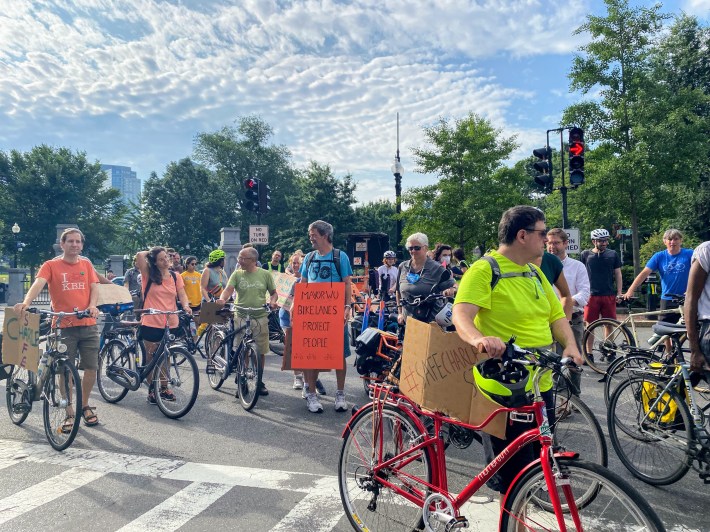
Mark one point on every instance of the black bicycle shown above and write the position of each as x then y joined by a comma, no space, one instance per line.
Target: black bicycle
223,358
175,377
56,383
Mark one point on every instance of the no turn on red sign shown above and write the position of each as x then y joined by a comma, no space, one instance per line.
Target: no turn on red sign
573,243
259,234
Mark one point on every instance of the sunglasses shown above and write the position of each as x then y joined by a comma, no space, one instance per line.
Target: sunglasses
543,232
414,248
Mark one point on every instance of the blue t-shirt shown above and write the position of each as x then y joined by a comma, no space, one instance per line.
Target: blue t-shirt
321,268
673,270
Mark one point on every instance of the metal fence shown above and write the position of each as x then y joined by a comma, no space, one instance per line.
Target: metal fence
42,298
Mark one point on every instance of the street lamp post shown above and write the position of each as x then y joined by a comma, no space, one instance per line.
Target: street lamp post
15,232
398,170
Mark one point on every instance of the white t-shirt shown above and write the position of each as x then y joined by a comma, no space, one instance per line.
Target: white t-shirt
387,271
702,255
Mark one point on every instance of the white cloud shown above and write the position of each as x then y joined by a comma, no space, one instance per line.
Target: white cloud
700,8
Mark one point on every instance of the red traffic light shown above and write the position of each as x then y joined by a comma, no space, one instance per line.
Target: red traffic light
576,148
250,183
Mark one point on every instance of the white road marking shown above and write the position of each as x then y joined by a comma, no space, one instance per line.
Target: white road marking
177,510
35,496
319,511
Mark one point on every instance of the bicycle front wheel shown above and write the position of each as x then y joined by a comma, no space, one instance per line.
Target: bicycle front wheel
216,346
114,355
577,429
623,368
652,437
249,373
18,394
372,439
176,381
604,340
62,404
616,505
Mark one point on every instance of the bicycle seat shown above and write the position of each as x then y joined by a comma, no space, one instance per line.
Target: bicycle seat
678,299
664,328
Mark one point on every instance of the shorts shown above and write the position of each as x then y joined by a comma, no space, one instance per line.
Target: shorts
155,334
604,305
259,329
284,318
669,318
83,340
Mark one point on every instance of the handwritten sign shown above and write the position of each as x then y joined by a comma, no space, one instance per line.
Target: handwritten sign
20,340
318,320
284,282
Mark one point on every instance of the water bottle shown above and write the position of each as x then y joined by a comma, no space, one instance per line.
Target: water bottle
193,328
42,367
654,339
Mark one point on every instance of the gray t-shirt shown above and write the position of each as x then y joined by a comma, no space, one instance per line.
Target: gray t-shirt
420,284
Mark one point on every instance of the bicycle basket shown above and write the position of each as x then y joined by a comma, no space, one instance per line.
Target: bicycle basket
366,345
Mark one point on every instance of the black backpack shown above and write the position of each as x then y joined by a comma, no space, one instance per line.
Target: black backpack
335,260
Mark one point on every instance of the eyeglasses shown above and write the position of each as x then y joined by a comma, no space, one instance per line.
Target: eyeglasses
543,232
192,264
414,248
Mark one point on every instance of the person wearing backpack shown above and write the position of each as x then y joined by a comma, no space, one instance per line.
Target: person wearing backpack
505,295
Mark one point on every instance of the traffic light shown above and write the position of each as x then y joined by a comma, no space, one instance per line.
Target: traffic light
543,166
576,157
252,187
264,198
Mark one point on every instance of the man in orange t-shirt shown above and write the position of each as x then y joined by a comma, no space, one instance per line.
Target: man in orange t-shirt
73,283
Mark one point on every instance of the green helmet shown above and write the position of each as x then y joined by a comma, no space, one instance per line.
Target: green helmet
508,385
216,255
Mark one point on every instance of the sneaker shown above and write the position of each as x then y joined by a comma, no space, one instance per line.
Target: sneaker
340,404
320,388
151,398
298,382
167,395
262,389
313,404
304,393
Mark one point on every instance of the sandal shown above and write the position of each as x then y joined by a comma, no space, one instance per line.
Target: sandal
68,425
90,419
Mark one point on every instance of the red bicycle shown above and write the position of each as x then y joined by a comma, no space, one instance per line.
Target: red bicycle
392,472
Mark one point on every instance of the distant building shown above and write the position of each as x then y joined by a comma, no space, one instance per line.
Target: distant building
124,179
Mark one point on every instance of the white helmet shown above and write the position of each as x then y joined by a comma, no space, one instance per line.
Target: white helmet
599,234
443,318
390,255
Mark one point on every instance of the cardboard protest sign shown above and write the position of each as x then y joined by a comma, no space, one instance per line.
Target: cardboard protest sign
208,313
20,339
110,294
437,374
284,282
318,320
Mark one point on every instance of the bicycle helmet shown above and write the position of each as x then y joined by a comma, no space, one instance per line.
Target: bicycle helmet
508,385
390,255
599,234
443,318
216,255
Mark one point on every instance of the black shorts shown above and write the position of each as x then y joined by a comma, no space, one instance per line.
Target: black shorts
155,334
667,304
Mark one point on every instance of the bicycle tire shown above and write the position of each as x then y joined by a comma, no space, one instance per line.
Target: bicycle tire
605,348
215,345
580,430
655,452
61,391
249,374
615,506
114,353
18,391
394,433
182,379
619,371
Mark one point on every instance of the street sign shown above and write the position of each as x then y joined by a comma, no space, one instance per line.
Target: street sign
627,232
573,243
259,234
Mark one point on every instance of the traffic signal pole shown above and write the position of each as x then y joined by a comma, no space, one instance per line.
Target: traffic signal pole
563,186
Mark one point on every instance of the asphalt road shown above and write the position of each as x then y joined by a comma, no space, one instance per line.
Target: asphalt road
273,468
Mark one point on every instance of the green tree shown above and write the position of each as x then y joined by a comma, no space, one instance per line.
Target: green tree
48,186
464,207
377,217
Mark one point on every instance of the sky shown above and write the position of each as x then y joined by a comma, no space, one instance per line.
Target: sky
132,82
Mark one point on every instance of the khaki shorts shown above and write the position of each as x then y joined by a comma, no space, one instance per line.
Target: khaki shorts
259,329
85,341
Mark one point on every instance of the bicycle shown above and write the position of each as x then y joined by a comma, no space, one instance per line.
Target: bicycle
122,368
656,424
392,473
606,338
223,358
56,383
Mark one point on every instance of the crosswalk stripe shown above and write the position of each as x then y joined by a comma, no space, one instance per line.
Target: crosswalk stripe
43,492
177,510
319,511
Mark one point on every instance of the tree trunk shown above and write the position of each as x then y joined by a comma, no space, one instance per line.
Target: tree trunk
635,236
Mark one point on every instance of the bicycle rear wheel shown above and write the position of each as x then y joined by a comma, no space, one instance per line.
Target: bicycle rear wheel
368,503
216,347
577,429
62,398
604,340
177,382
18,394
114,354
249,373
615,506
654,448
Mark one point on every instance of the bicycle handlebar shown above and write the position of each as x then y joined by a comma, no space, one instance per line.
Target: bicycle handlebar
154,311
80,314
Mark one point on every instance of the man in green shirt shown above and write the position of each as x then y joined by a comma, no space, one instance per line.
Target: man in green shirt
522,305
251,284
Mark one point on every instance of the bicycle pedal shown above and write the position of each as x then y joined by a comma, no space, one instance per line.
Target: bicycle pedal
21,408
210,369
456,523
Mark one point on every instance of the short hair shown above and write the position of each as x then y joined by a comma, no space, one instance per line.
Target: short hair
248,245
323,228
459,254
251,251
277,251
561,233
515,219
419,237
68,231
440,248
672,233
